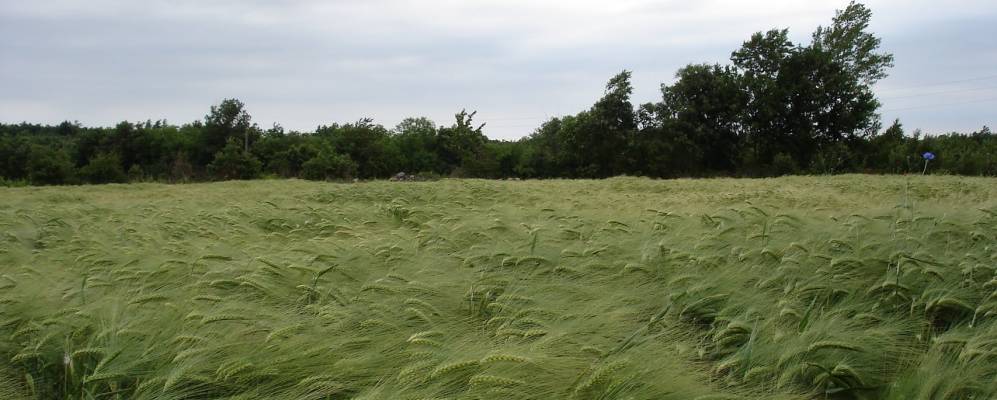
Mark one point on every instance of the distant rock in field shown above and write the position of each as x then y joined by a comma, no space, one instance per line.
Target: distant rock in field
398,177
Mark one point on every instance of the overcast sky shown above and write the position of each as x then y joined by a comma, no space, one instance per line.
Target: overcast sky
308,62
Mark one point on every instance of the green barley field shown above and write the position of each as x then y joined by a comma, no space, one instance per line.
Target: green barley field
844,287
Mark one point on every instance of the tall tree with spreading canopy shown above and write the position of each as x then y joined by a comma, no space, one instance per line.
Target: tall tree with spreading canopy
227,120
462,142
366,143
705,105
808,101
598,139
417,143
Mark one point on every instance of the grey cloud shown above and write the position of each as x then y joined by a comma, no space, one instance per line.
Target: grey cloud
305,63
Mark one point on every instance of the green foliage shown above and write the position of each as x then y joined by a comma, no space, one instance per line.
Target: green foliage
181,169
135,173
14,152
227,122
779,108
461,142
416,141
104,168
49,166
12,183
806,98
364,142
596,142
849,45
783,164
328,165
232,162
705,104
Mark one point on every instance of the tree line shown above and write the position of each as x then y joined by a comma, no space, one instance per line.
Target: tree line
777,108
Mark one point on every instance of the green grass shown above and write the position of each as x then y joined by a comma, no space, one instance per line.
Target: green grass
793,288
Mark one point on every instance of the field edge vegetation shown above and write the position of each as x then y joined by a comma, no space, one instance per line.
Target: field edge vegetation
778,108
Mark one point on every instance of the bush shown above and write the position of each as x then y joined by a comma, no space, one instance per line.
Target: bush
234,163
4,182
328,166
135,173
830,160
48,166
104,168
181,169
783,164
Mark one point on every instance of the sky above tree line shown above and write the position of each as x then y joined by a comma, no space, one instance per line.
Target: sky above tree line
303,63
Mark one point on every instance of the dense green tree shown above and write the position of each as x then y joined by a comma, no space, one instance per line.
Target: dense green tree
416,142
597,140
14,152
282,154
760,60
845,60
328,165
49,166
157,146
886,151
69,129
127,141
507,156
461,142
104,168
663,150
227,122
847,43
544,155
180,169
291,162
804,101
705,105
232,162
366,143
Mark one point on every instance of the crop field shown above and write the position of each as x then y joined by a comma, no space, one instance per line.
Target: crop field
846,287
